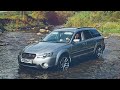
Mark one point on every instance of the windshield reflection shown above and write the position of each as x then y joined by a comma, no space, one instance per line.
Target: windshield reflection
58,37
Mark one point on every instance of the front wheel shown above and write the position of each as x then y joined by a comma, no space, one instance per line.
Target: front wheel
99,52
64,63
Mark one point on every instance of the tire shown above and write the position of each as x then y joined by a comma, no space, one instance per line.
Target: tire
98,52
64,63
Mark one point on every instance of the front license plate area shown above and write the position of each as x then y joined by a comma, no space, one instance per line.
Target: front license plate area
26,60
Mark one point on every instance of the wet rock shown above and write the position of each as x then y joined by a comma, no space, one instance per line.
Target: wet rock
1,41
118,57
106,37
32,39
36,41
39,34
4,44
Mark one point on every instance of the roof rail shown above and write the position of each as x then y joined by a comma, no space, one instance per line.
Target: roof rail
85,27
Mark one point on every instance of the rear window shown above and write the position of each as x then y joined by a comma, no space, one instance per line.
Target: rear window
95,33
87,34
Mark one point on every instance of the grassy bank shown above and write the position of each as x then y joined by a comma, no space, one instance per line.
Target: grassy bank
108,32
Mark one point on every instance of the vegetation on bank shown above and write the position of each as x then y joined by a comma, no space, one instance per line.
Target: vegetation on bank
27,20
105,21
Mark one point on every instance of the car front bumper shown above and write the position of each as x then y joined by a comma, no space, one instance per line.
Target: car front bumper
37,62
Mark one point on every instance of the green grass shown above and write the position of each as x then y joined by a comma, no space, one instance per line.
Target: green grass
107,32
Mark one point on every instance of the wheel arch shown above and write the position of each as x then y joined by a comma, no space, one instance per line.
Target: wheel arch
96,46
62,52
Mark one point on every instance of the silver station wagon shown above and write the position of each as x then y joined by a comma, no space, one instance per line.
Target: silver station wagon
61,46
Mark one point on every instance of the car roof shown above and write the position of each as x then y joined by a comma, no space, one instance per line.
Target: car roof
74,29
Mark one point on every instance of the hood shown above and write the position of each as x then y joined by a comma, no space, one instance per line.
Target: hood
42,47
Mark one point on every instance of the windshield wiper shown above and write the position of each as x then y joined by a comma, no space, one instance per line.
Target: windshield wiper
43,41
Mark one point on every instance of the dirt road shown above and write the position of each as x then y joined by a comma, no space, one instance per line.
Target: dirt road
83,68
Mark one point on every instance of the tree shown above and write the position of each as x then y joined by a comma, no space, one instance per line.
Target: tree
52,18
63,16
39,16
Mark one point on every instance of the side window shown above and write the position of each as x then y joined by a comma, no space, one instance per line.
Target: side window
95,33
87,34
78,36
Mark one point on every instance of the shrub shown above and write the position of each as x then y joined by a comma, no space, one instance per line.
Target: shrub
80,19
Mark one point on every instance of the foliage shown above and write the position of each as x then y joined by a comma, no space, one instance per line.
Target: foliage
80,19
105,21
39,15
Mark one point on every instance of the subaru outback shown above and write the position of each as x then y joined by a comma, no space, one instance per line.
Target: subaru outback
61,46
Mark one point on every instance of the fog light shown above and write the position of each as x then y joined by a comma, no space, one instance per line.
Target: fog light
45,65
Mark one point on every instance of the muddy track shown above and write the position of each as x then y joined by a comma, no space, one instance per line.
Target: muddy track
85,67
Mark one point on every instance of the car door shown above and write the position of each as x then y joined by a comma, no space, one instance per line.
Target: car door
90,41
78,47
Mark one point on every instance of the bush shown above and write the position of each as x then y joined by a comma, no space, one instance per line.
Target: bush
111,25
109,28
80,19
10,27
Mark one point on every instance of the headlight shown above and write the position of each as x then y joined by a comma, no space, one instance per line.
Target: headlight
45,55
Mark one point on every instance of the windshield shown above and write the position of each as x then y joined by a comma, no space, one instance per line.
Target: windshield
59,37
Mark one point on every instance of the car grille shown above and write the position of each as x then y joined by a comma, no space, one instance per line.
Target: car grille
30,65
27,64
28,55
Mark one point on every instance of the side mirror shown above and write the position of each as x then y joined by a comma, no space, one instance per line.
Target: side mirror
76,40
67,39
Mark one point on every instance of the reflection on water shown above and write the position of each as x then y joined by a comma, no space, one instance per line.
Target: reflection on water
31,73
